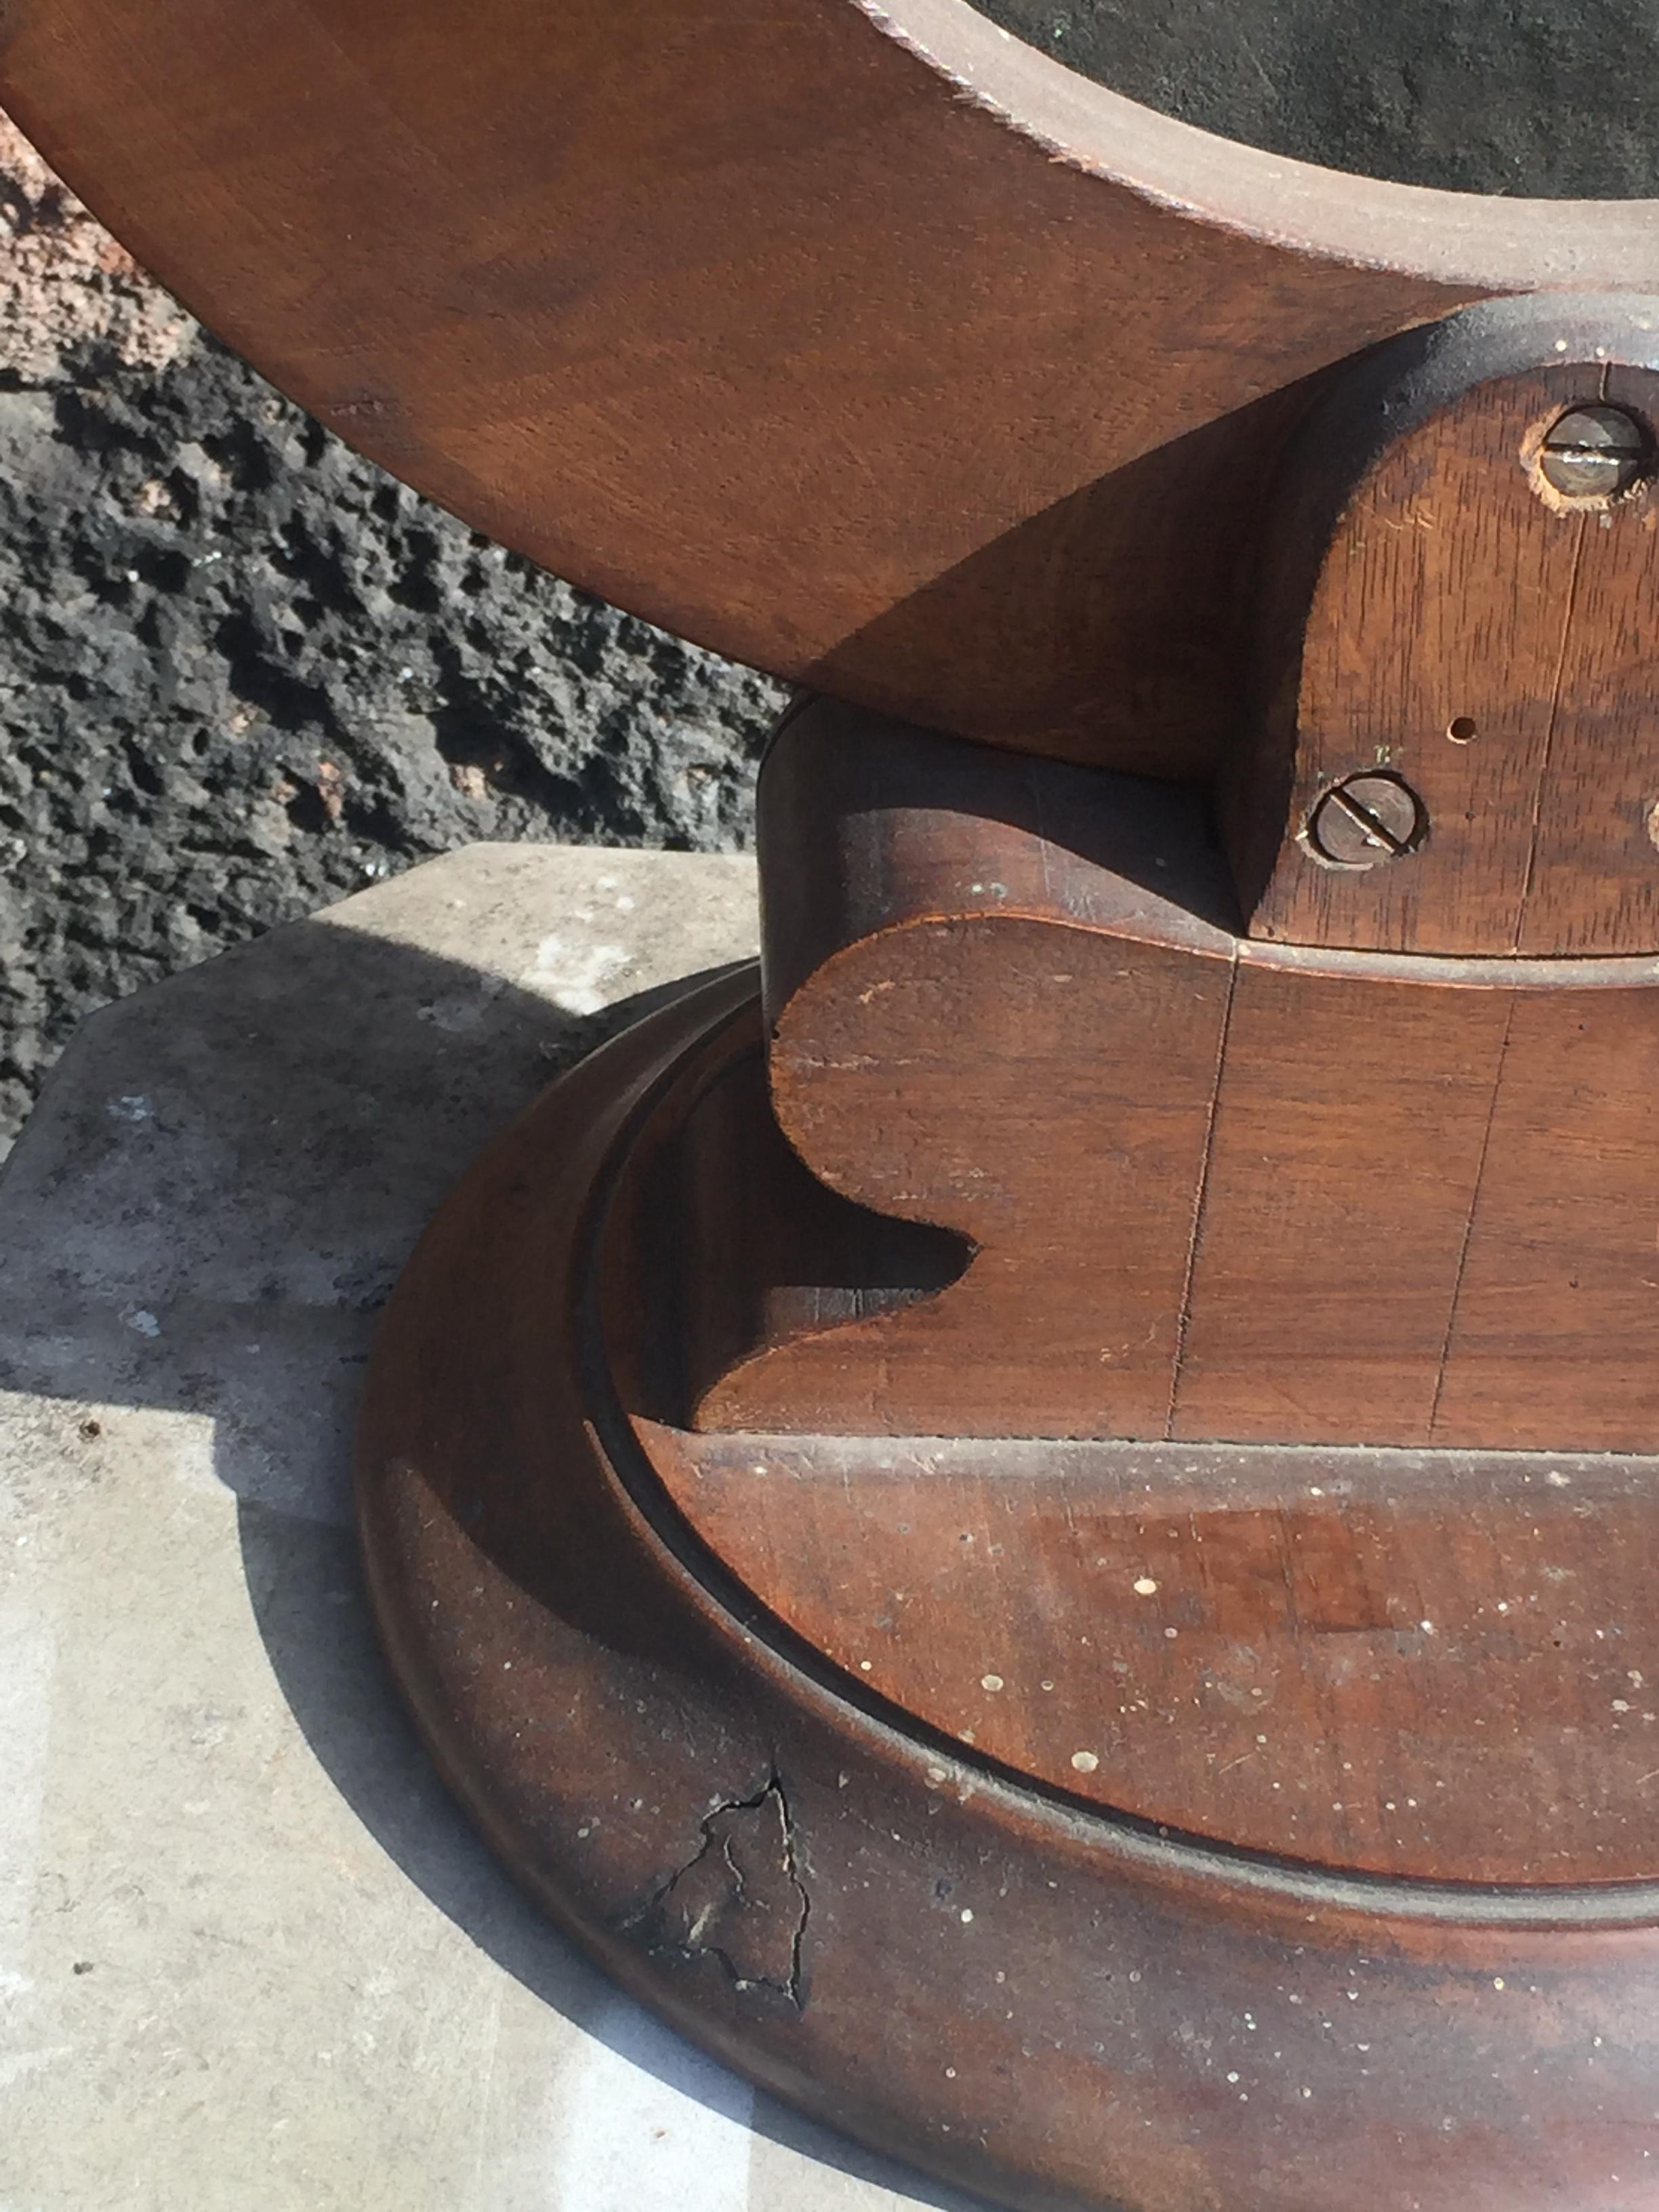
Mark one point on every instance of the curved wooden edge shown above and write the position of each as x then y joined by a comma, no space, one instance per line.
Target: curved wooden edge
1491,244
1052,2007
866,823
759,327
864,344
1420,573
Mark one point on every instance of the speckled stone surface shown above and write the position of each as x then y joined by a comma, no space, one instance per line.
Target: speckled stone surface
244,671
250,1955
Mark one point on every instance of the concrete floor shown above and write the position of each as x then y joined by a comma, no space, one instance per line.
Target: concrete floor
250,1955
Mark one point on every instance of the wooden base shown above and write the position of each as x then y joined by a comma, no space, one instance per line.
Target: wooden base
1054,1815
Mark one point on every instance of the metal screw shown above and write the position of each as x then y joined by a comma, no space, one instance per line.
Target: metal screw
1366,820
1595,453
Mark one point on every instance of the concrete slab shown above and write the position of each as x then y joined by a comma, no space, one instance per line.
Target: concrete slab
250,1955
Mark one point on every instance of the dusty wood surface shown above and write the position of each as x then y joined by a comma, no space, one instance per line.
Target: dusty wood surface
1047,2000
1411,1663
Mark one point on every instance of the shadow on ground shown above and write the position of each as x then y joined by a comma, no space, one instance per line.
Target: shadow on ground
206,1215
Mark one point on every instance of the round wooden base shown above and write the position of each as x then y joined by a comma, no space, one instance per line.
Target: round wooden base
994,1975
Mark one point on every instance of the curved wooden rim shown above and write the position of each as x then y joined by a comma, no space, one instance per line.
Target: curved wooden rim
1491,244
869,346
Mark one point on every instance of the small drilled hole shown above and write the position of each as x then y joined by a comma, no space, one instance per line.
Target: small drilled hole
1462,728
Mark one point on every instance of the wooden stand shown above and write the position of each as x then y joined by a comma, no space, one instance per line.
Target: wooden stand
1117,1825
1044,1538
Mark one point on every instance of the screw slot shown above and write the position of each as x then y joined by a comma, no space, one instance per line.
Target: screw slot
1594,455
1364,821
1463,729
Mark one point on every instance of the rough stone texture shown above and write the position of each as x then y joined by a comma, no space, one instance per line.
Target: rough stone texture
244,670
251,1955
1551,98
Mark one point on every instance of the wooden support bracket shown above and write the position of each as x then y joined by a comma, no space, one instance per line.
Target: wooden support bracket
1211,1187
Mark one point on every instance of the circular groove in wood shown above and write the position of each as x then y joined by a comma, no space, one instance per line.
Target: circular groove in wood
727,1552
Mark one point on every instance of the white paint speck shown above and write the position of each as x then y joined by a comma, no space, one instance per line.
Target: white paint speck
1146,1587
967,1916
576,976
1084,1762
990,1681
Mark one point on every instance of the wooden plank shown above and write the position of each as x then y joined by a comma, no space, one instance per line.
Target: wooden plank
1412,1664
908,1079
1442,605
1593,885
1350,1128
1556,1340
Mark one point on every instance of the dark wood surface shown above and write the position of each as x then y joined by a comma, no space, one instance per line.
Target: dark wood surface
1204,1186
884,352
1016,1981
1437,612
1413,1664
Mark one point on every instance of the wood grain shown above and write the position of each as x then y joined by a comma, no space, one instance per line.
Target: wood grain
1202,1186
1350,1135
1556,1334
782,325
1067,1318
1434,613
1595,881
1030,1994
1411,1664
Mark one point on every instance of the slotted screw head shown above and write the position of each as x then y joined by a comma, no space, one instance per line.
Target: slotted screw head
1595,453
1365,820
